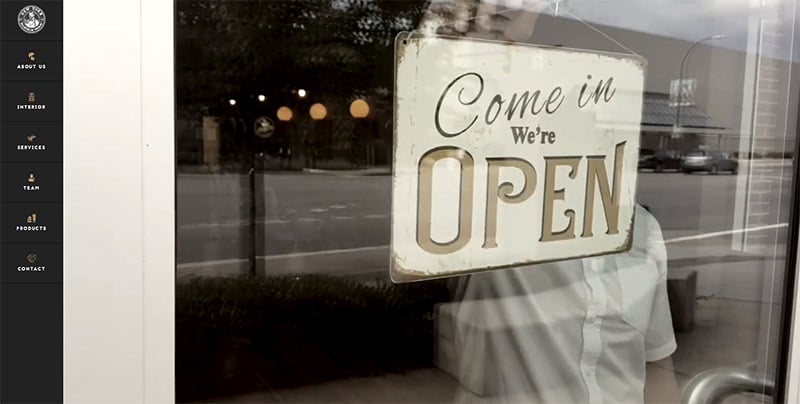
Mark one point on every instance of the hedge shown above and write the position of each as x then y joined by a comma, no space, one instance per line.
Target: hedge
240,335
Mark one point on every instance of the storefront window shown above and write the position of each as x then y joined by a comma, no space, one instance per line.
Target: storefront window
291,124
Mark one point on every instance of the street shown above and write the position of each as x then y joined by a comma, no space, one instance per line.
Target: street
307,213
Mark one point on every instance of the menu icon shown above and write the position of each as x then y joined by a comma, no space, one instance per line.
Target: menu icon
31,185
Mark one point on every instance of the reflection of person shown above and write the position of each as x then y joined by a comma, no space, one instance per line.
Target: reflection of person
576,331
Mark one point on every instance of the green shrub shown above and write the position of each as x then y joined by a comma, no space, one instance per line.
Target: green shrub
237,335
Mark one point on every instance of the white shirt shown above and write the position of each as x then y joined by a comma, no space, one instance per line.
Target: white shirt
576,331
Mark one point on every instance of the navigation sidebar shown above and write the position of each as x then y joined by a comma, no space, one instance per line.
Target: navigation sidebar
31,201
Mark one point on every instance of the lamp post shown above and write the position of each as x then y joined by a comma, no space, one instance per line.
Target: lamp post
241,110
253,111
677,128
245,110
254,183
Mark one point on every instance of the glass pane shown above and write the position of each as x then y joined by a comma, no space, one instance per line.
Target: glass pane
285,140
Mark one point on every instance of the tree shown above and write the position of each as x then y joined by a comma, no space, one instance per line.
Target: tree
228,48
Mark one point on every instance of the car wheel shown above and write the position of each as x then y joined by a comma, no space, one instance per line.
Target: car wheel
659,168
735,170
714,170
687,172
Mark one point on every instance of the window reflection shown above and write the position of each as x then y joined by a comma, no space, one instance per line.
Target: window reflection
284,148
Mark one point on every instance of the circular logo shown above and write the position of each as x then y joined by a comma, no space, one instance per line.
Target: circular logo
31,19
264,127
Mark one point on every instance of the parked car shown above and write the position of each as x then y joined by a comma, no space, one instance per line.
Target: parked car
644,154
710,162
659,160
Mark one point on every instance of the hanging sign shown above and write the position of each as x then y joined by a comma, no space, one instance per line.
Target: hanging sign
509,154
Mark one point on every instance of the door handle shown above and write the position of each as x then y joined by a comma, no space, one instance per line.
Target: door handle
713,386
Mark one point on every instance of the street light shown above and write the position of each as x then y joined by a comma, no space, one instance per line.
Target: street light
284,114
318,112
677,129
359,109
262,98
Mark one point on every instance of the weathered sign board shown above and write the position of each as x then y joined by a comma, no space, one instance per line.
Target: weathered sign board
509,154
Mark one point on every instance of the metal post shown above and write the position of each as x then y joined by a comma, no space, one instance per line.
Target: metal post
678,129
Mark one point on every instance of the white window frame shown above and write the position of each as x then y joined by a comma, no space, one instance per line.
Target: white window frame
119,216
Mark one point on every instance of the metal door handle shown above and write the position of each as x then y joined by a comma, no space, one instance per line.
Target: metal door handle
713,386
